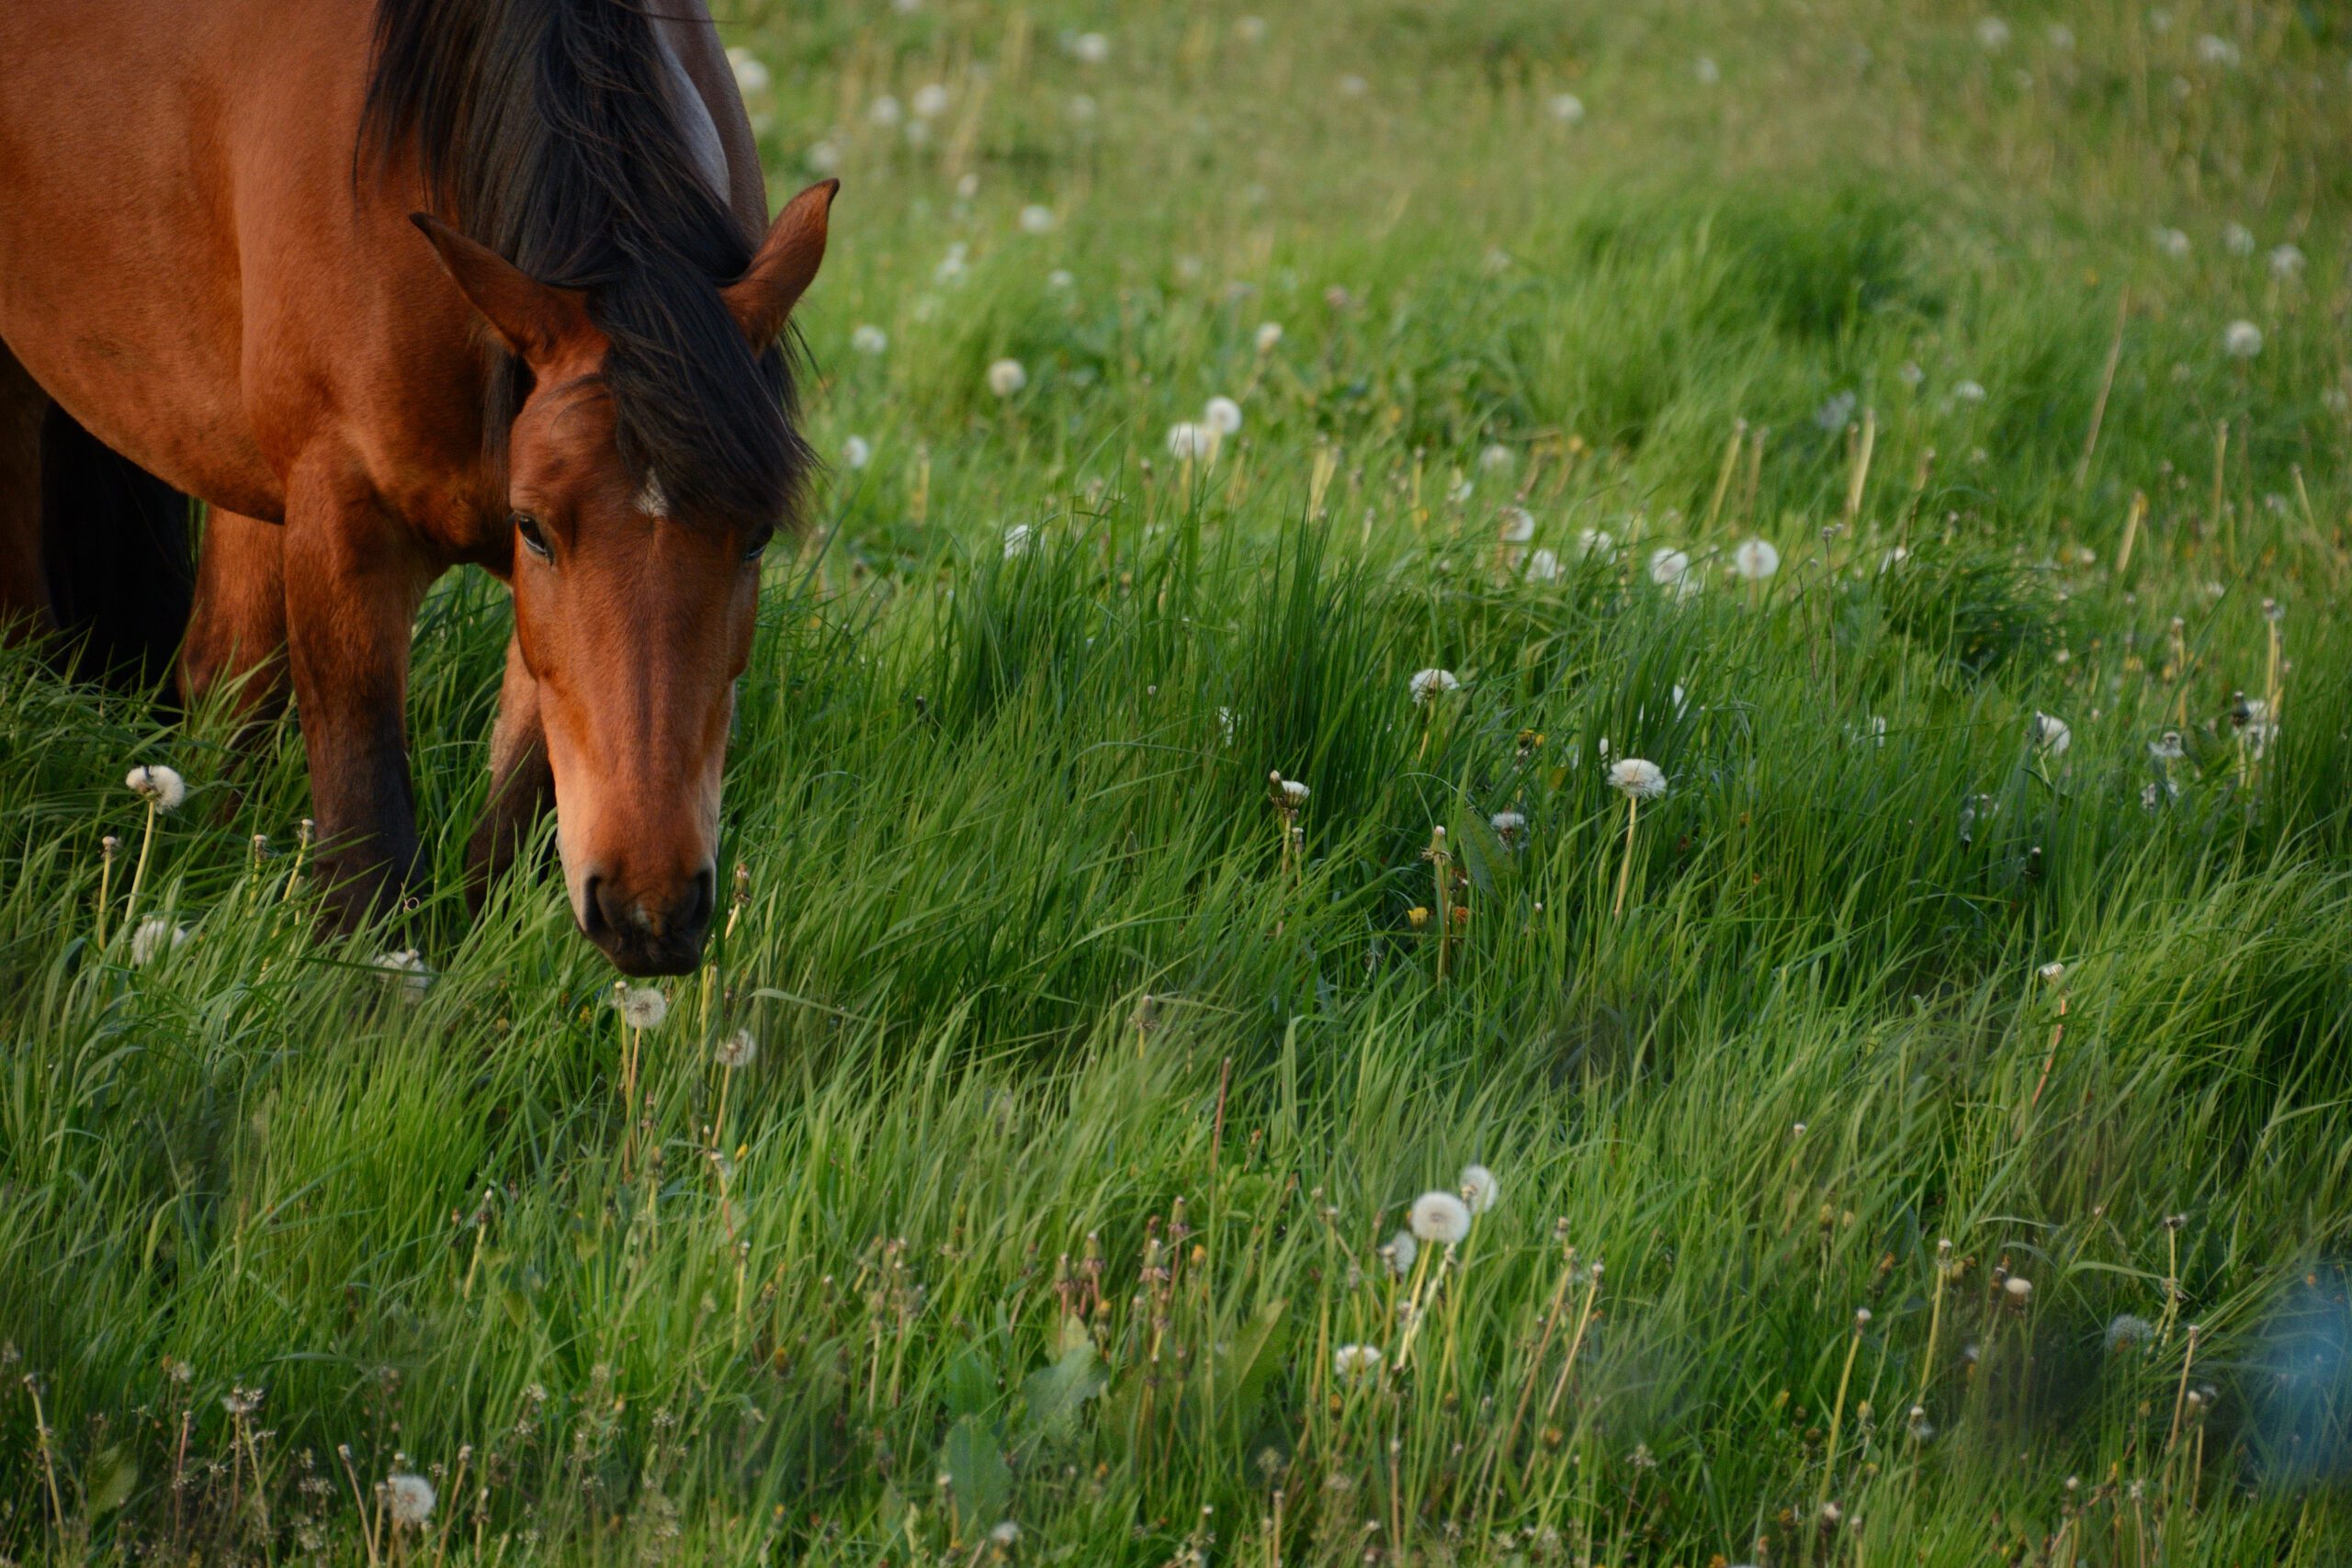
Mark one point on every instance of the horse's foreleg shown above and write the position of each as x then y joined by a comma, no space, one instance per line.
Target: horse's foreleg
522,786
24,593
236,635
353,578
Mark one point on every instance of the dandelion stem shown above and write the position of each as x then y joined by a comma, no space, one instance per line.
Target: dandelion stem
1625,868
1935,1319
47,1455
1862,465
2180,1394
106,879
2098,405
146,842
2130,532
1838,1417
1730,466
2049,1060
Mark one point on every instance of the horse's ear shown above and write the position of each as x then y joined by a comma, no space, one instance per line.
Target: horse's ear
533,318
764,297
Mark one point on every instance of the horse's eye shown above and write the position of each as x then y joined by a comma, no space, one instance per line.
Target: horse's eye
533,538
759,544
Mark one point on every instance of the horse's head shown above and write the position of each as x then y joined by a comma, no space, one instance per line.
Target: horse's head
632,615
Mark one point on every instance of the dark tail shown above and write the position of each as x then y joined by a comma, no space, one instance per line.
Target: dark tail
114,548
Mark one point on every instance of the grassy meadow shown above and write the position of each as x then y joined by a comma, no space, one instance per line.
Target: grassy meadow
1919,1136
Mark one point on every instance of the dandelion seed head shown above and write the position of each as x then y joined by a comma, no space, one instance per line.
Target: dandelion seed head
2241,340
405,971
160,786
737,1050
1479,1188
1992,34
886,110
2052,973
1428,683
1568,108
1092,48
869,339
411,1499
1509,826
1439,1218
751,73
1756,559
2174,242
1518,525
1592,542
640,1007
1222,415
2017,1288
1354,1363
1007,377
1036,218
1636,778
2051,734
1543,566
856,452
1270,335
1190,442
1019,540
154,938
1668,565
1400,1252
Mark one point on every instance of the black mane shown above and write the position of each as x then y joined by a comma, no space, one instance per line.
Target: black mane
541,129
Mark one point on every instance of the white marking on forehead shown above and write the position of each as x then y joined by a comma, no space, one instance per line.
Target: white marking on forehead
650,500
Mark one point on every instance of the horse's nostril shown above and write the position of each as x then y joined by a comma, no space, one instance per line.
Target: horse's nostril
702,899
593,923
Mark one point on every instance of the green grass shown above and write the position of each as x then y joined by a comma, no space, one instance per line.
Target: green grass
1080,1113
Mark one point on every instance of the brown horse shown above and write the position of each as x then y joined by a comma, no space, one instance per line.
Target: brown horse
394,287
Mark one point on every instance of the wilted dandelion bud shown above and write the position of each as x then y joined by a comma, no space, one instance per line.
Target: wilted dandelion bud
409,1498
1479,1188
159,786
1861,1317
1918,1427
2273,611
1440,1217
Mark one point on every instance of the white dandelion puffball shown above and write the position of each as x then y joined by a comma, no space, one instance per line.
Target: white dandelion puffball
1439,1218
1518,525
886,110
2051,734
411,1499
1507,826
1005,1534
2052,973
1568,108
1188,441
2167,746
2215,50
1402,1249
1969,391
869,339
751,73
1636,778
159,786
823,157
2126,1329
1007,377
2286,262
1756,559
1353,1364
405,971
1543,566
1668,565
1036,218
2174,242
856,452
2241,340
737,1050
1706,71
1479,1188
2239,239
1018,540
1091,48
1428,683
1250,29
1493,457
930,100
1593,542
1270,333
641,1007
1061,279
2019,1288
955,264
1295,794
1222,415
154,938
1993,33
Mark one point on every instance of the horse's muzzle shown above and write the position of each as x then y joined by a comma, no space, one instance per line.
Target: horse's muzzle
643,937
